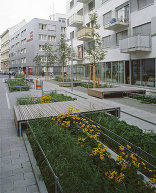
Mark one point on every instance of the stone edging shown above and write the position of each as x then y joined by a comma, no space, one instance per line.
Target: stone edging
36,170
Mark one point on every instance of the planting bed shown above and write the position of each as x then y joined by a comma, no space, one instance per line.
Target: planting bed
143,99
49,98
82,163
17,85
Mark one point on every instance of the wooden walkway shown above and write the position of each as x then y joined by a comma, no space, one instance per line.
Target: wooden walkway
113,92
23,113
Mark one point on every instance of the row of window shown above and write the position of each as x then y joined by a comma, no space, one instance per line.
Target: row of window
23,61
18,35
44,37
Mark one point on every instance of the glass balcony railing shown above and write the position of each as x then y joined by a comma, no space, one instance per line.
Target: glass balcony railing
75,20
139,43
83,1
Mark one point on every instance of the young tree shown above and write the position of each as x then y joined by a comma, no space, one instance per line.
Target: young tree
96,53
63,53
50,56
37,61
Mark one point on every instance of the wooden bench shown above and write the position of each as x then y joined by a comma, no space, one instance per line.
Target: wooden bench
24,113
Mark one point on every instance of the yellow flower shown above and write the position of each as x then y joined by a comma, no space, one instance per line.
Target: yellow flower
129,147
121,148
101,156
153,180
119,157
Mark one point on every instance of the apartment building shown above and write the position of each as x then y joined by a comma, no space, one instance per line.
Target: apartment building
29,40
128,31
5,45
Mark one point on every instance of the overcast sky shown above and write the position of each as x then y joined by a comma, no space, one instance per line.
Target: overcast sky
14,11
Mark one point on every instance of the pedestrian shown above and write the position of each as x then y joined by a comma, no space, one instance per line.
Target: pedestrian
42,73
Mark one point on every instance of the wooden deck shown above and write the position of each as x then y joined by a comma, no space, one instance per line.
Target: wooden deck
23,113
113,92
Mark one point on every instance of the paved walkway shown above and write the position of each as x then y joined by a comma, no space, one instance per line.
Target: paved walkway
16,175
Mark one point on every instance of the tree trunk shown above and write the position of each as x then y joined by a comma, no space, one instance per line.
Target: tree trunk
46,78
89,77
63,73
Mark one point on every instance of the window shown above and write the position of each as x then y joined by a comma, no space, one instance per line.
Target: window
63,29
43,59
121,35
144,3
91,5
23,33
23,61
42,37
23,42
41,47
52,27
106,42
123,14
80,51
72,34
144,29
72,4
23,51
52,38
42,26
63,20
107,18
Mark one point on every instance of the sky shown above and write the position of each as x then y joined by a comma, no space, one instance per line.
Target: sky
13,12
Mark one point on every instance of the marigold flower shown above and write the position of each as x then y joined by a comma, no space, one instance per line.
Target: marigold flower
121,148
129,147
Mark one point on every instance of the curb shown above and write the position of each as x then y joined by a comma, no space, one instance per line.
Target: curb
36,170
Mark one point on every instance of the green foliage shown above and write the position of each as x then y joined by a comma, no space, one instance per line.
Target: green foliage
54,97
85,85
60,79
77,172
143,99
147,141
22,76
64,51
16,85
49,54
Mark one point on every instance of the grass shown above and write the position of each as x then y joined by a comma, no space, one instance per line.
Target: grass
51,97
144,99
17,85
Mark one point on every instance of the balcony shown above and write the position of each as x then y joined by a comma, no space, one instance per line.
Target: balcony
85,34
138,43
75,20
116,25
82,1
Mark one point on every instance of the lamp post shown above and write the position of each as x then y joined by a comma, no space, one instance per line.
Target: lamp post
71,38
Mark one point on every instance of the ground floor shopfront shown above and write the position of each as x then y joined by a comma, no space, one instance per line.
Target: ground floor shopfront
136,72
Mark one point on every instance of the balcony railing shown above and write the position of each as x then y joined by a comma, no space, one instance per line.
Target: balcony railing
75,20
116,24
83,1
85,34
138,43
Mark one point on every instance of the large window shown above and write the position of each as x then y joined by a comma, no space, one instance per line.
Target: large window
42,37
144,29
106,42
144,3
107,18
123,14
52,38
121,35
42,26
108,71
72,4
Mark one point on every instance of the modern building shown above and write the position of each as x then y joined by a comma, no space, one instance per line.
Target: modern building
5,45
29,40
128,31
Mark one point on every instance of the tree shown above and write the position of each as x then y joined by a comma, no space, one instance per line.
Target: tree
96,53
37,61
50,57
63,53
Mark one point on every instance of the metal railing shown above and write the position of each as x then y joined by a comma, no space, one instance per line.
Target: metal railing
138,149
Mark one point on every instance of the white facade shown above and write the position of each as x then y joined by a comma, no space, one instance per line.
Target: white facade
128,29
